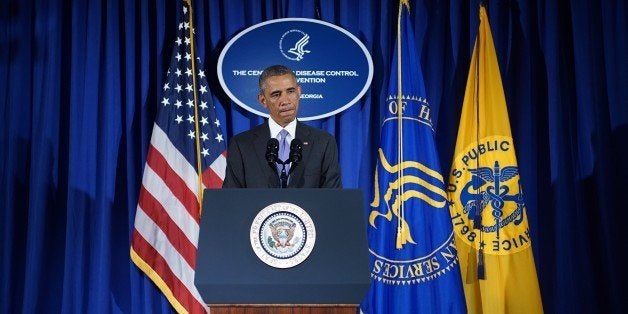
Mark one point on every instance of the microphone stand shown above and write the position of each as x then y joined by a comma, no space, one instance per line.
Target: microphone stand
296,148
284,175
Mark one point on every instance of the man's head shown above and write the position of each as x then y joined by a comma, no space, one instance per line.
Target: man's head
279,93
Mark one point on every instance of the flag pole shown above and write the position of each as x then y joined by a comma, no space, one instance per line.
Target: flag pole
199,168
481,274
400,239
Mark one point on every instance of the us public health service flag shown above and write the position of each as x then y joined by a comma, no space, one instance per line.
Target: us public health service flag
414,267
487,206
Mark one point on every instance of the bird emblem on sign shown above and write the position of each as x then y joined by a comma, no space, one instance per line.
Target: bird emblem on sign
298,49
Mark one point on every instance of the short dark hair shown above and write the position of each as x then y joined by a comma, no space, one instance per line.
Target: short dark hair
274,70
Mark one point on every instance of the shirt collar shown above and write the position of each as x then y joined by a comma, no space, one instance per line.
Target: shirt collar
276,128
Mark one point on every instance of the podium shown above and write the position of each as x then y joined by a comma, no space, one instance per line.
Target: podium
230,274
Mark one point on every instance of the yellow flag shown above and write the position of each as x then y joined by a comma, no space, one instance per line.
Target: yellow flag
486,198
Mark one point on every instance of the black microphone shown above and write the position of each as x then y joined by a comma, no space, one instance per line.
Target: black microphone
296,153
272,150
296,150
272,156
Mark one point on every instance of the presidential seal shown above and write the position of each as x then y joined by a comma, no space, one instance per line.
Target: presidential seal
485,196
282,235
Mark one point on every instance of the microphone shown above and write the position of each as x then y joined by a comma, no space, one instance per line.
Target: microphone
296,150
272,157
272,150
296,153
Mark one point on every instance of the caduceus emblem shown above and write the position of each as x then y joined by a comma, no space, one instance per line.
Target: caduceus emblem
496,194
408,185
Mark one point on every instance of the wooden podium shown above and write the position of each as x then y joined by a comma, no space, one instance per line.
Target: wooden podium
334,277
283,309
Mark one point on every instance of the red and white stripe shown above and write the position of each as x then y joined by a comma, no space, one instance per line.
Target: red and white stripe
165,238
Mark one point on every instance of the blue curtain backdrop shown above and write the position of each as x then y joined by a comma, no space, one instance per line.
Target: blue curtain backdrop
78,87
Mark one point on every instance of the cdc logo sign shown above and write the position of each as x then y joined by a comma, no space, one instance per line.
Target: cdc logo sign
332,66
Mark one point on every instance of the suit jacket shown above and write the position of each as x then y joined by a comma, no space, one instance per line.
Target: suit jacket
247,166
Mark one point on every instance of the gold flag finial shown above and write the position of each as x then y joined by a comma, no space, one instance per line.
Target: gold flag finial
405,2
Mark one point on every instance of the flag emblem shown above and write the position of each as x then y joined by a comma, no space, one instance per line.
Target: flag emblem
489,199
406,192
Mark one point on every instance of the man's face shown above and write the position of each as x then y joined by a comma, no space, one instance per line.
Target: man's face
281,98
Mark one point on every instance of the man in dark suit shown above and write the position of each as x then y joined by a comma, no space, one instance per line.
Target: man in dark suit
247,166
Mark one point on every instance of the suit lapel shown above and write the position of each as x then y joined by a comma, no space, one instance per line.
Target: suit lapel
303,134
260,140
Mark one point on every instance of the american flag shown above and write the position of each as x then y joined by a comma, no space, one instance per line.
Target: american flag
165,238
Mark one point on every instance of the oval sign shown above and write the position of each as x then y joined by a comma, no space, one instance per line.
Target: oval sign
332,66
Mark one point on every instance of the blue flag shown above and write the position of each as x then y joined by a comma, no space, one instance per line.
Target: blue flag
414,266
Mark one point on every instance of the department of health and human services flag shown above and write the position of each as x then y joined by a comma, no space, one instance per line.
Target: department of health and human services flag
487,206
414,268
186,155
